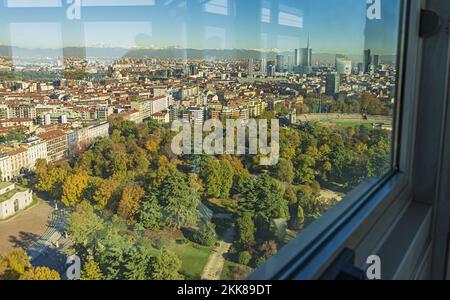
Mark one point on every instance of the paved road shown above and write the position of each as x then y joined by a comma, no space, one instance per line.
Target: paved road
214,266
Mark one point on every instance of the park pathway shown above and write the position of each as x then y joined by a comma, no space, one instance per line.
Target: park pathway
214,266
52,235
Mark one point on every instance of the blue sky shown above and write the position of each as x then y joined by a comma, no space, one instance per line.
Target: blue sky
335,26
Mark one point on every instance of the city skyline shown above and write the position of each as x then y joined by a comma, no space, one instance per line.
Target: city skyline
217,24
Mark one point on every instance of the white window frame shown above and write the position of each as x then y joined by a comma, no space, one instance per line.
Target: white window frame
394,218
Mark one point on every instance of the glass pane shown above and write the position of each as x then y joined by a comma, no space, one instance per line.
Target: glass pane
186,139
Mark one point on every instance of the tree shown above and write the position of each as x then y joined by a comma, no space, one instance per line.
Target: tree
284,171
206,234
73,188
50,177
271,203
246,230
40,273
130,202
84,224
150,216
138,264
14,264
91,271
105,192
218,177
166,266
180,206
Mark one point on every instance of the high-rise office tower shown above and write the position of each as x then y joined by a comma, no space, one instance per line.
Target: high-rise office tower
376,60
280,63
250,67
263,65
305,58
271,70
296,58
193,70
290,63
332,84
343,65
367,61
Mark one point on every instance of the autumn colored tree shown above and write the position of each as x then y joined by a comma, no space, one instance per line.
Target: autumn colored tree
14,264
40,273
73,188
50,177
130,202
91,271
105,192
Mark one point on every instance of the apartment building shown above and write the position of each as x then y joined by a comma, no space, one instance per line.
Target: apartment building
36,149
57,146
5,167
19,158
86,135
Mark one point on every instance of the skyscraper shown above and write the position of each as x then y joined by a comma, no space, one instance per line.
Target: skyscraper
250,67
367,61
332,84
263,65
305,58
376,60
280,63
296,58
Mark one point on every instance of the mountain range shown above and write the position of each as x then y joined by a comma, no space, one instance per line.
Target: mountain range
117,52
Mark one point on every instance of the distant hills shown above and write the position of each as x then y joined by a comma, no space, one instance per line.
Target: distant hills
116,52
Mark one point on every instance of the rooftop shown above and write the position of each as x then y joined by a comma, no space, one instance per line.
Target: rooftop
5,184
11,193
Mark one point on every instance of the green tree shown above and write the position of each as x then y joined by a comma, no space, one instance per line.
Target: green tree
150,216
180,206
284,171
246,230
218,178
84,224
166,266
206,234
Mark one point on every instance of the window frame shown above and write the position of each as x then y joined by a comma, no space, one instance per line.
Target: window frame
362,218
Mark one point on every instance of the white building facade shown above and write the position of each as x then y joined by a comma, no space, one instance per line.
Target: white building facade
13,199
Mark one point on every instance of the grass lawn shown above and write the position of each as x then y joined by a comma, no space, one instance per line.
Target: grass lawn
193,257
234,271
349,123
222,205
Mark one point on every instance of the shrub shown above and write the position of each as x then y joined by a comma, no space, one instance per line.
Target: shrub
206,234
244,257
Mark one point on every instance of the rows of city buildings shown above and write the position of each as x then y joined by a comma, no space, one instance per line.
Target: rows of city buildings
62,117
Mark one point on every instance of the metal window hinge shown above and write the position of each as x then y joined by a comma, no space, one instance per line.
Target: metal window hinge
343,268
430,23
